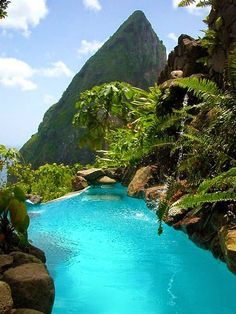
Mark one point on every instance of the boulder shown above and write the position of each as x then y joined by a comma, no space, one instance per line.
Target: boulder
189,224
31,287
139,184
6,302
79,183
106,180
91,175
128,175
114,173
155,192
175,215
33,250
20,258
182,61
6,262
177,74
228,246
25,311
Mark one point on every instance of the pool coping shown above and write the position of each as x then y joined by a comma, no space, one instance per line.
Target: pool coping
67,196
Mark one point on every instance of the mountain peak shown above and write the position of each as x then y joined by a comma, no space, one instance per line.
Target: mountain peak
134,54
136,19
138,14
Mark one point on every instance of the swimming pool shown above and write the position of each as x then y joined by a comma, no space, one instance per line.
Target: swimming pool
105,256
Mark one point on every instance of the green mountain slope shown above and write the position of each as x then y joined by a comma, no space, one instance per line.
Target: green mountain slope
134,54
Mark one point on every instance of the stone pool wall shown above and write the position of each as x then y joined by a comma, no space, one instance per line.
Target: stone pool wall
25,284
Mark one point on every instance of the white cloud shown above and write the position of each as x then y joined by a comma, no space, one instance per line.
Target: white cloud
56,70
173,36
94,5
24,14
192,9
17,73
89,47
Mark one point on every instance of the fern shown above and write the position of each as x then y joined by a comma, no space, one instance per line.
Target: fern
217,181
203,89
226,180
193,201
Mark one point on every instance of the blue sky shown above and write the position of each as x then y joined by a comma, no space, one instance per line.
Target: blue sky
43,43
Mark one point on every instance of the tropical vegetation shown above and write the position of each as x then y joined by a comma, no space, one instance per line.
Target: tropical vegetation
130,124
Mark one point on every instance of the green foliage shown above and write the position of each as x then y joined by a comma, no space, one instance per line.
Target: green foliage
49,181
52,181
221,188
210,40
203,89
124,118
222,181
104,108
3,8
208,143
8,156
209,140
23,175
13,217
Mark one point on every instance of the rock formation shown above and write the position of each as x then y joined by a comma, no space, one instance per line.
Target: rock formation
222,21
184,58
25,284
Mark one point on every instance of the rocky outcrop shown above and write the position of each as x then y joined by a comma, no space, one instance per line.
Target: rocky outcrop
115,173
6,302
128,175
222,21
185,56
154,193
6,261
33,250
91,175
134,54
144,178
31,287
20,258
79,183
211,229
183,60
228,245
95,176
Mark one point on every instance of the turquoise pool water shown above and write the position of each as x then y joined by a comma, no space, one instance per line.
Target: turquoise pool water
106,258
